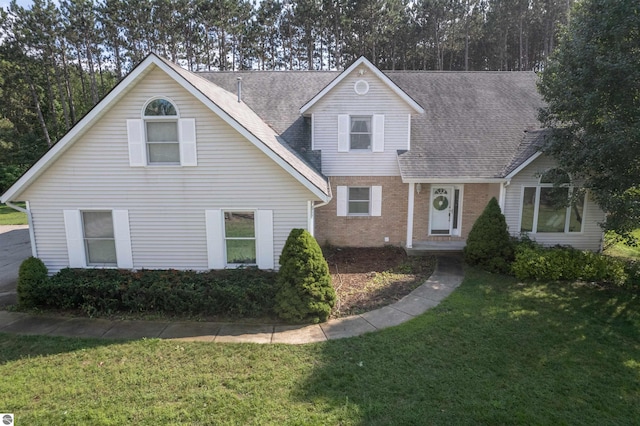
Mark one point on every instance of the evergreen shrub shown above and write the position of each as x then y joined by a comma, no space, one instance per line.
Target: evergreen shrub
32,280
305,293
489,244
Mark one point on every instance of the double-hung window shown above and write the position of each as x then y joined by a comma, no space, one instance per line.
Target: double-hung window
240,237
161,130
551,205
359,201
160,137
360,133
99,238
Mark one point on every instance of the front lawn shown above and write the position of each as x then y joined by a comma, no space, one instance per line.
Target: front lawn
620,249
494,352
9,216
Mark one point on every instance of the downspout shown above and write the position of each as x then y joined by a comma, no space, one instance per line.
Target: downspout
32,235
315,206
503,193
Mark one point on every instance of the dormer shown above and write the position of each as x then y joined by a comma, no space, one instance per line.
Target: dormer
359,121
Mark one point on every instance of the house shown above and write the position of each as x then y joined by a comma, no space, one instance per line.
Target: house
174,169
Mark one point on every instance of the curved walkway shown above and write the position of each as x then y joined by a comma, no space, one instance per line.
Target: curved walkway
447,276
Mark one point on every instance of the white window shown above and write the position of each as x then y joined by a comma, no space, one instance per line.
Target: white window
360,133
161,137
99,238
548,208
359,200
161,130
363,133
240,238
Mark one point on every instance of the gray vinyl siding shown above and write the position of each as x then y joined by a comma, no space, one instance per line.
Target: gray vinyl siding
591,236
342,99
166,204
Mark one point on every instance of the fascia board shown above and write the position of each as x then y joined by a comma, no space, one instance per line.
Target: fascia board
244,132
363,61
523,165
67,140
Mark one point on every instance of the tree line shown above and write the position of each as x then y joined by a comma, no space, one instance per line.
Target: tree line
58,59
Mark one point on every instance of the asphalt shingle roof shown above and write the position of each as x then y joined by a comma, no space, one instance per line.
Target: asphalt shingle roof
473,125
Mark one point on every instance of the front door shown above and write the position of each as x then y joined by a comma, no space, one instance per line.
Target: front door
441,210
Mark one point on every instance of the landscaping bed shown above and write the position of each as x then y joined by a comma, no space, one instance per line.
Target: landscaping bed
369,278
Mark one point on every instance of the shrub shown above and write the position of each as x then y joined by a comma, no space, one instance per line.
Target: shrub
304,292
489,245
32,279
229,292
568,264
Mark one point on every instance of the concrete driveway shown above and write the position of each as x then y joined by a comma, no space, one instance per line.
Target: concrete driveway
14,248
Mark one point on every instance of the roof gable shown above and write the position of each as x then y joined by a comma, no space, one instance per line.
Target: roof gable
362,61
224,104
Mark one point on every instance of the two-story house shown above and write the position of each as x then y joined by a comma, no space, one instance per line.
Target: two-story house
174,169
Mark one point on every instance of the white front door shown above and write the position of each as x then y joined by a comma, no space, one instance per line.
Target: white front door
441,210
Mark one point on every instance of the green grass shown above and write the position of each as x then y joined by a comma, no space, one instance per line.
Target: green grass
494,352
620,249
9,216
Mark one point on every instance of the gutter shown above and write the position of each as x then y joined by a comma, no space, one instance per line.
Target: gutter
32,235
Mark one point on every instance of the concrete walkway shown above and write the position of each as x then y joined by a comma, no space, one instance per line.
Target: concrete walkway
447,276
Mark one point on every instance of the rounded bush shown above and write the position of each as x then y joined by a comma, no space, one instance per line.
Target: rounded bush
32,278
489,244
305,293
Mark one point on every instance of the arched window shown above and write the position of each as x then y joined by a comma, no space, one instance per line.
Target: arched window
550,206
161,129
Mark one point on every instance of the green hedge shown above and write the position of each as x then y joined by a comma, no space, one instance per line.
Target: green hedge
239,292
568,264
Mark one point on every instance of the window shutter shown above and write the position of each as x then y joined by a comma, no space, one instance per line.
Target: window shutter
187,136
137,151
264,240
342,200
376,201
215,239
377,131
75,238
122,235
343,133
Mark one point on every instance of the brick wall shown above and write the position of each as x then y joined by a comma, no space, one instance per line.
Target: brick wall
367,231
356,231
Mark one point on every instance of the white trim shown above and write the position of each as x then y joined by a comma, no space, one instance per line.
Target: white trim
409,132
344,132
154,117
455,181
410,208
386,80
120,90
452,211
75,238
523,165
93,115
311,218
313,132
187,142
214,223
375,200
122,235
342,200
377,133
264,239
